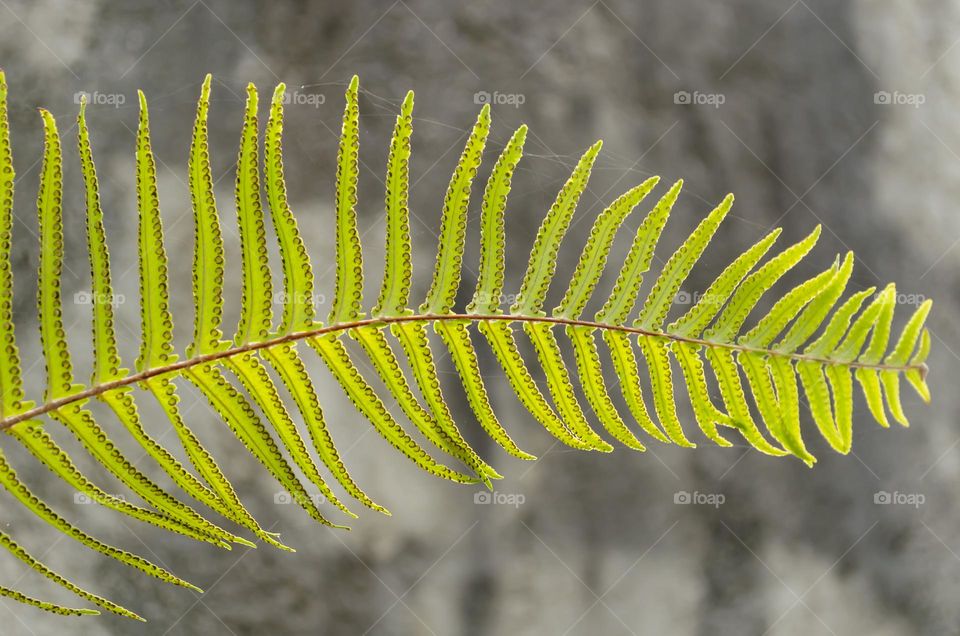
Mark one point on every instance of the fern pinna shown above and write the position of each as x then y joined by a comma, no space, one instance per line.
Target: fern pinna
808,333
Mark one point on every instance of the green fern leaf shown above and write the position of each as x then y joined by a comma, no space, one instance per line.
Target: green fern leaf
13,485
499,336
678,266
543,257
286,361
37,566
47,606
625,364
413,339
747,295
453,225
654,351
807,347
364,397
916,374
594,256
707,414
298,305
399,271
12,400
561,387
456,337
591,378
819,308
692,323
348,294
627,288
486,299
256,312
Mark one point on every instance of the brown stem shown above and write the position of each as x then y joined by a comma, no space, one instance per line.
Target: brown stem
134,378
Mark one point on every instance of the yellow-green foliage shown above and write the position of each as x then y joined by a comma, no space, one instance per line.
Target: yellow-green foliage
807,334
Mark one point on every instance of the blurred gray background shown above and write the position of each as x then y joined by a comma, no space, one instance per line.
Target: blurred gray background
840,113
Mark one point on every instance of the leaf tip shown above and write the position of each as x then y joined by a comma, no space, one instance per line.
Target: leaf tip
251,95
519,138
49,122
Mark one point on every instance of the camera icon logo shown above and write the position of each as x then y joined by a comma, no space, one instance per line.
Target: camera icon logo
82,499
682,497
882,497
282,498
482,497
882,97
81,96
481,97
82,298
682,97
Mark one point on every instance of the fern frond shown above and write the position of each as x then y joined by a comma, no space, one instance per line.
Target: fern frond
348,293
594,256
45,605
453,224
486,298
807,346
543,256
398,272
12,483
14,548
208,258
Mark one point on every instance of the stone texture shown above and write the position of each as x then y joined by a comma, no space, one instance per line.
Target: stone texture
599,545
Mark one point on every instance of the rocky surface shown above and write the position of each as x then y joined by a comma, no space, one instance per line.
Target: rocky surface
598,544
